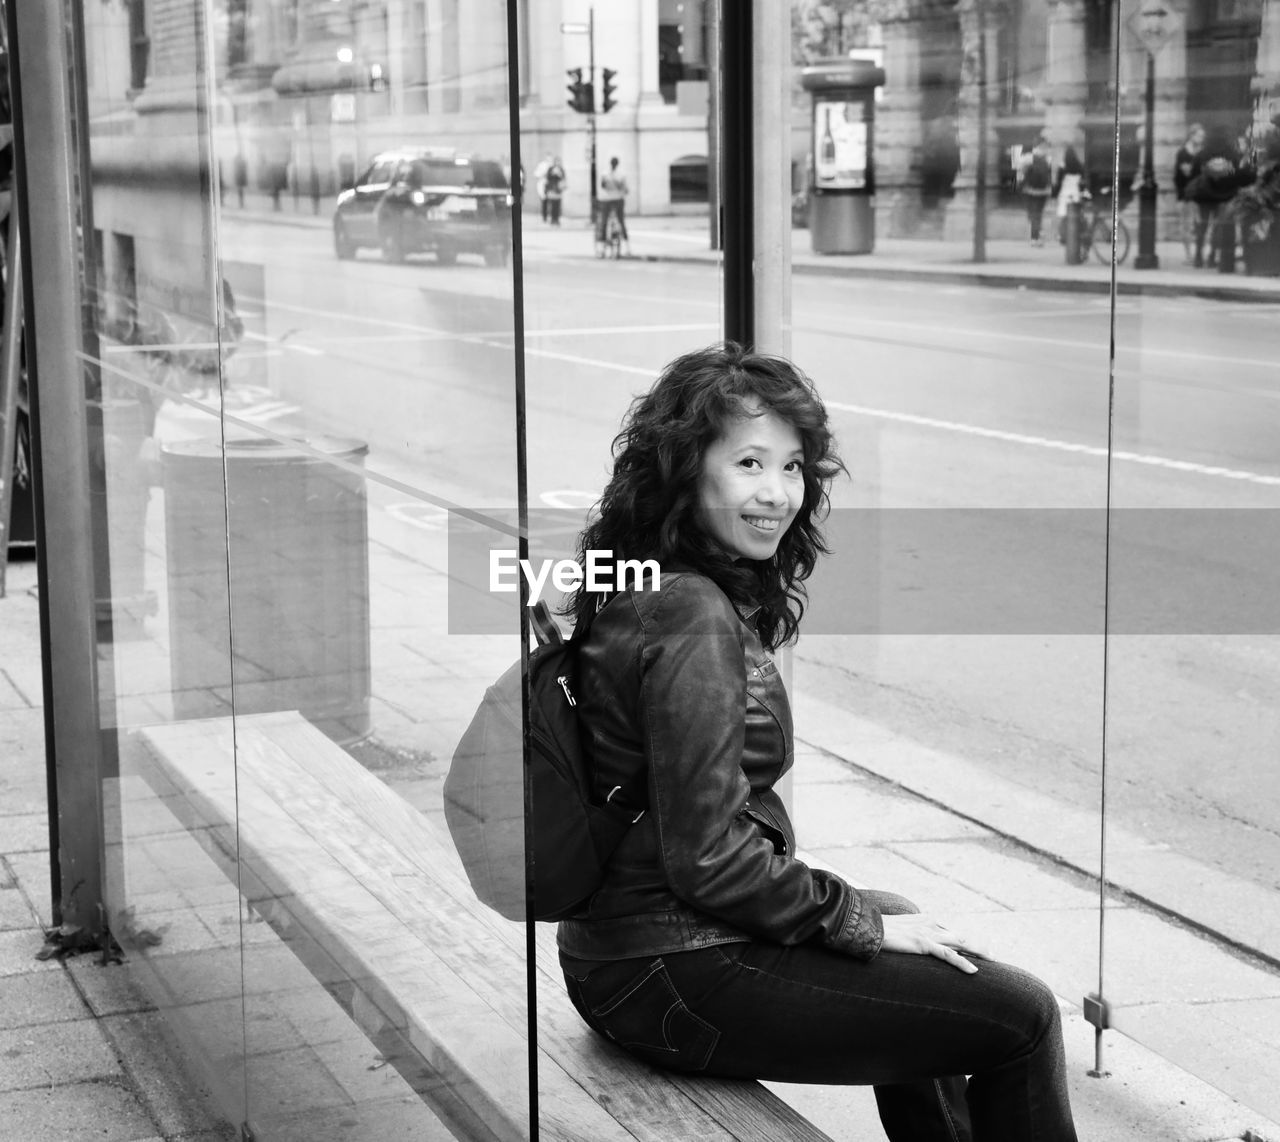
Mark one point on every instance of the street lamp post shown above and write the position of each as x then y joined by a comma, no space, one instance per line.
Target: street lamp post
1154,23
1147,258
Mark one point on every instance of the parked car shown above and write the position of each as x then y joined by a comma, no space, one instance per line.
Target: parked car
427,200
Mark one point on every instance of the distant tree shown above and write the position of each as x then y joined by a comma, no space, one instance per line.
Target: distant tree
821,29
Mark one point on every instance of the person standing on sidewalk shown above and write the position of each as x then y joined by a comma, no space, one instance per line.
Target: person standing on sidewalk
540,185
1186,165
1035,181
1214,185
711,947
613,200
1070,187
554,182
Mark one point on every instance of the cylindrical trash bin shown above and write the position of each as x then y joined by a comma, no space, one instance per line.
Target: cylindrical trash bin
1071,236
841,223
290,542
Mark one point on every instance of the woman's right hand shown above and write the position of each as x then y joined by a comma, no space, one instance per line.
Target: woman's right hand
921,935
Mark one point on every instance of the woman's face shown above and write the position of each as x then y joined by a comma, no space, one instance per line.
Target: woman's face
752,485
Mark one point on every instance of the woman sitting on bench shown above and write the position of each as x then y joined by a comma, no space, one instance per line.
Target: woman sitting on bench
710,948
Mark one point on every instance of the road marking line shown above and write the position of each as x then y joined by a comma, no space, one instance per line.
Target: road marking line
1062,342
569,358
1057,445
588,331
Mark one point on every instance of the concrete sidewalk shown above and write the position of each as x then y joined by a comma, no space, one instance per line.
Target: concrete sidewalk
1010,264
87,1053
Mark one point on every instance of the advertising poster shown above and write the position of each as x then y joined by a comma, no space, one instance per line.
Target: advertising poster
840,145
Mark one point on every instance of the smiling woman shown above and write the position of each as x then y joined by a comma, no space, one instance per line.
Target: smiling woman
710,946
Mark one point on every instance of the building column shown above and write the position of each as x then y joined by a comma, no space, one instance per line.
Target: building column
1066,80
1171,123
980,24
1266,74
482,56
648,52
899,130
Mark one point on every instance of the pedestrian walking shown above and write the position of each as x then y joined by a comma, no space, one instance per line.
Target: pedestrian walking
613,201
554,190
710,946
1070,187
1035,181
540,185
1214,185
1186,165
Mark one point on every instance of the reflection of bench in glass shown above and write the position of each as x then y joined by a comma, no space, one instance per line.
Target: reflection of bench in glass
370,896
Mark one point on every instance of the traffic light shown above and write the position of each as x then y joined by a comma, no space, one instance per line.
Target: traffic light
581,98
609,88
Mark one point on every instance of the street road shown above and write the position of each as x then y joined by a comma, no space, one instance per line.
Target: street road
945,397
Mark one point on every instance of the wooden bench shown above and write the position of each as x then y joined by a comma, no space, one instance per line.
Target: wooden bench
370,896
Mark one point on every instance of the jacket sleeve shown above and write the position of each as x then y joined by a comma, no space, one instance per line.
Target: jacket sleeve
693,700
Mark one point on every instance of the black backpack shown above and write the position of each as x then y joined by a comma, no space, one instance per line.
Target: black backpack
1039,174
572,834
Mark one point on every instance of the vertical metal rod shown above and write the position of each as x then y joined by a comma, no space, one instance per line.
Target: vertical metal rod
39,77
591,119
737,176
10,379
771,176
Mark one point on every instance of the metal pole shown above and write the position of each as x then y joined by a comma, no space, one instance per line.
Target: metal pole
591,118
1147,258
737,172
980,174
771,175
10,379
43,109
713,126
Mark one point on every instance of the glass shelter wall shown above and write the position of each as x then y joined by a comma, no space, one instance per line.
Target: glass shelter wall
351,322
1036,676
294,403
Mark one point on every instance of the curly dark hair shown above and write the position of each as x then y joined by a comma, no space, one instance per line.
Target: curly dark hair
649,509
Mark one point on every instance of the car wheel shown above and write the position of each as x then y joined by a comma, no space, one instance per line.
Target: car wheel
343,246
496,255
392,244
446,255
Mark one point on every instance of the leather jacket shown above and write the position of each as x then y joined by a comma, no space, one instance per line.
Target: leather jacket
677,681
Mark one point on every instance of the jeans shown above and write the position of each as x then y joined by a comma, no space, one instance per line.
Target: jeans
910,1025
1035,213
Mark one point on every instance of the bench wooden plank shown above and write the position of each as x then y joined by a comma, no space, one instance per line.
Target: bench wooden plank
382,900
638,1094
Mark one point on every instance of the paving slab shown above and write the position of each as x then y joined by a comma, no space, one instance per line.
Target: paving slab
837,813
103,1111
881,867
49,1054
1002,871
177,1102
38,997
18,950
1231,1045
110,988
15,911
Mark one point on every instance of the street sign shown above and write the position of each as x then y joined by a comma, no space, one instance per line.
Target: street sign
342,107
574,29
1155,23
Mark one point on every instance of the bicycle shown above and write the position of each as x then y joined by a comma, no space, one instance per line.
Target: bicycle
1095,230
609,243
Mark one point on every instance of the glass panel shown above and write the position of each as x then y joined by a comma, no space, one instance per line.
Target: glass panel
949,677
602,319
151,351
1193,653
363,236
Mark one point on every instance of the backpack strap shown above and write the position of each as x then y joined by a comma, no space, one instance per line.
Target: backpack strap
544,626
